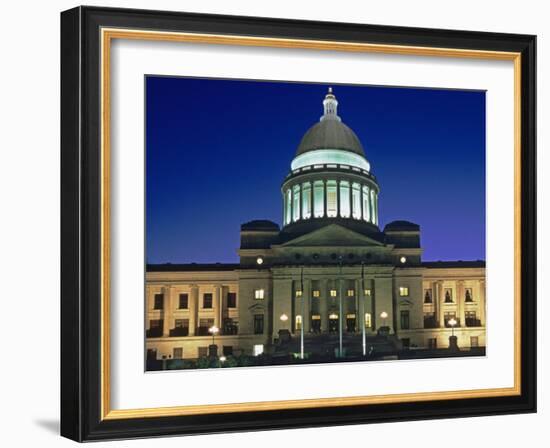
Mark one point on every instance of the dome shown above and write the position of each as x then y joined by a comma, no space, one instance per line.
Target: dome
330,134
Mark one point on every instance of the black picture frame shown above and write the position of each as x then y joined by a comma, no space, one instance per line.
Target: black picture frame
81,224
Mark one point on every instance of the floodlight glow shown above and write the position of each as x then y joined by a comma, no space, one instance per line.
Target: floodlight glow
333,156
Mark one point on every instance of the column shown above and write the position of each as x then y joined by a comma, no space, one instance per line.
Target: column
359,319
339,199
460,302
193,309
481,287
439,301
217,305
306,297
167,310
324,198
323,305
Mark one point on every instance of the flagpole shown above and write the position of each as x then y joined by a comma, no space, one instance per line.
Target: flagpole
302,314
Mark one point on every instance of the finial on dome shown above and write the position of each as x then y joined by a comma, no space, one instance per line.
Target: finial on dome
330,105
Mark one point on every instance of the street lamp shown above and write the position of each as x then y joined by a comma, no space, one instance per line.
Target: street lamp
384,315
213,330
223,358
452,322
283,317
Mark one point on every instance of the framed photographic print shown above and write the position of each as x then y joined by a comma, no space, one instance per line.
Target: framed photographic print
273,224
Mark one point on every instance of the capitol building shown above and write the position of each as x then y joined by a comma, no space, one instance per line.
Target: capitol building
328,282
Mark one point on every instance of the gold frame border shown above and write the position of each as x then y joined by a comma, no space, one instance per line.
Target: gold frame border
107,35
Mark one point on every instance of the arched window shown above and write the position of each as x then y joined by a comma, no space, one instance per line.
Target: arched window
332,199
366,203
344,199
296,203
356,200
306,200
288,206
318,199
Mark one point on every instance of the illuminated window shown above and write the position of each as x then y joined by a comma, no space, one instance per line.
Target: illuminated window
316,293
298,322
374,217
332,293
306,200
298,293
344,200
258,294
351,292
367,292
318,199
296,203
368,320
332,199
288,208
356,201
366,206
403,291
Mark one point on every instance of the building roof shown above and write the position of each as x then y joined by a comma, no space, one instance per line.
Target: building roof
170,267
260,224
401,226
330,134
454,264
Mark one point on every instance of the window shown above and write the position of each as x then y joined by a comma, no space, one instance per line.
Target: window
316,323
184,301
202,352
155,328
227,350
448,316
367,292
231,300
177,353
432,343
258,323
474,341
429,320
298,322
332,199
356,201
344,200
318,199
306,200
259,294
368,320
204,326
296,203
448,295
288,208
159,302
428,296
316,293
230,326
207,300
351,292
366,206
468,297
298,293
403,291
181,328
405,320
471,319
350,323
333,293
258,349
151,354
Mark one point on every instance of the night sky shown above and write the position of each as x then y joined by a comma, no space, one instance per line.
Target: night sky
218,150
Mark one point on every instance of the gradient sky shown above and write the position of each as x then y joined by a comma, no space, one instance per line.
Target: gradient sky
218,150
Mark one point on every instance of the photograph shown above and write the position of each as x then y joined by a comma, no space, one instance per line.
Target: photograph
292,223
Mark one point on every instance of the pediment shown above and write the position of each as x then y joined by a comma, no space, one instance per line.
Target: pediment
333,235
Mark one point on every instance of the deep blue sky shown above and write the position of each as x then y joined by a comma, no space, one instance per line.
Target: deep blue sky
218,151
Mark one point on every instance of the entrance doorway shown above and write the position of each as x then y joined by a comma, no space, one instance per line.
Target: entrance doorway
333,323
